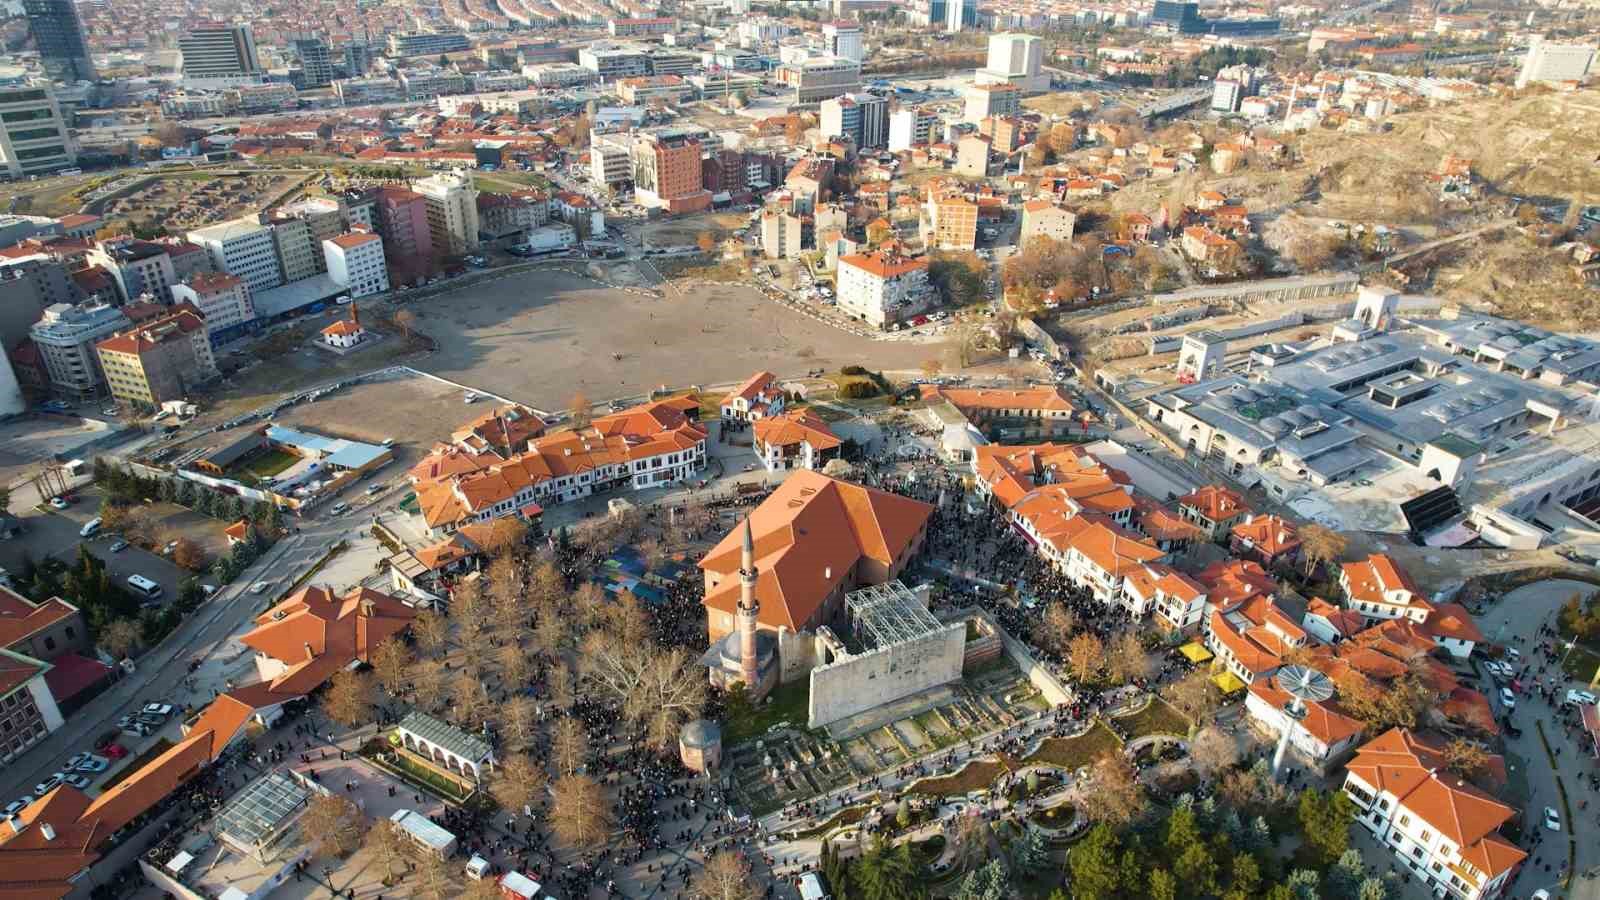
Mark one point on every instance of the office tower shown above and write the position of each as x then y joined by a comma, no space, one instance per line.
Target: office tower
842,39
357,58
1551,62
315,61
58,36
960,15
218,56
33,134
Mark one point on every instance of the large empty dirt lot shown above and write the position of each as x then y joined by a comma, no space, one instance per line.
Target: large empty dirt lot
540,338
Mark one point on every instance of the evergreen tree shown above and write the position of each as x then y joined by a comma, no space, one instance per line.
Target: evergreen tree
1325,818
1373,889
1093,863
1245,878
986,883
886,873
1197,869
1232,826
1206,812
1030,854
1162,885
1259,837
1346,875
1302,884
187,493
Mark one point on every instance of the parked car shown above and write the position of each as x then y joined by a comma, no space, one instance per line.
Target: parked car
77,780
1576,697
93,764
1508,699
117,546
49,784
158,709
113,750
339,509
58,503
16,806
1552,819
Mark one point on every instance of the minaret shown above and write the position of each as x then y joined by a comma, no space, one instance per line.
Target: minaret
745,618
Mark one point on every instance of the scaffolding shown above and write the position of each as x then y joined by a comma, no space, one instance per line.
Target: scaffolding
889,613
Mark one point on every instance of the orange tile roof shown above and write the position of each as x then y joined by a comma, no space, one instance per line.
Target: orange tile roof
314,622
800,426
353,239
1269,534
1254,657
1414,771
344,328
1344,621
1215,502
1369,579
1111,547
809,536
1160,523
884,265
1235,581
506,429
1451,620
1013,471
149,335
754,386
1323,720
17,668
965,399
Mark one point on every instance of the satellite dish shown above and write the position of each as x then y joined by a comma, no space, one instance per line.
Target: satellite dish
1305,683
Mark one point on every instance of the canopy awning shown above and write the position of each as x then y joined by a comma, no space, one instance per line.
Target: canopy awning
1195,652
1228,682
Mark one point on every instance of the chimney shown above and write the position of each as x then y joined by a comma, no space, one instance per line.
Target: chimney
368,608
46,829
827,573
309,654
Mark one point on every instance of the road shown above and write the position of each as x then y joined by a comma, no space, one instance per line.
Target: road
1515,620
162,669
1387,261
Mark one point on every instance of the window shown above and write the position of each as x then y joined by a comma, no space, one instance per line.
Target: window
1405,820
49,643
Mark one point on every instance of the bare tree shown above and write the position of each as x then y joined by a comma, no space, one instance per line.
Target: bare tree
435,879
388,844
1213,751
1085,655
1112,794
349,698
658,688
1320,544
559,680
579,408
569,745
513,665
405,320
392,662
1057,626
1127,658
428,685
468,610
579,815
519,717
468,698
1194,695
120,638
725,876
432,631
504,535
333,824
517,782
589,604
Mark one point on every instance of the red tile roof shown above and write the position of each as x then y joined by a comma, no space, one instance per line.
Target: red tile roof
794,428
1215,502
20,617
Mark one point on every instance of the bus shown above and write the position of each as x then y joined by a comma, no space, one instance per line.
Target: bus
144,587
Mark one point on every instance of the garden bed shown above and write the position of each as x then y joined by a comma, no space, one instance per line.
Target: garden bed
974,776
1157,717
1075,752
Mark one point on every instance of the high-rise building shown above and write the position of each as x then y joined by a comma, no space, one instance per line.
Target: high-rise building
58,36
842,39
137,267
452,200
223,300
402,220
427,44
816,79
355,262
316,63
217,56
960,15
33,134
1015,59
1551,62
985,100
666,173
65,337
242,247
296,248
864,118
357,58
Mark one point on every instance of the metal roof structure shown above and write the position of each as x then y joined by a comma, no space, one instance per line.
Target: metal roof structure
446,736
261,811
889,613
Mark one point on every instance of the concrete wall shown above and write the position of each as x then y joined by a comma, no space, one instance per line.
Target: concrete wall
859,683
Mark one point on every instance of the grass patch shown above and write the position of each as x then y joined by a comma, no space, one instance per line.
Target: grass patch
414,773
926,852
850,815
1056,817
268,464
138,762
975,776
787,703
1581,663
1158,717
1075,752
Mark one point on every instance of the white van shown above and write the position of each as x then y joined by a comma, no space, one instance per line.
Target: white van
90,528
144,587
477,867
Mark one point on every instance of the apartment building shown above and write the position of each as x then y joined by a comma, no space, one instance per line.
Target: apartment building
782,233
506,215
400,216
427,43
28,711
65,337
1551,62
610,159
640,28
612,61
863,118
224,301
910,127
324,217
242,247
642,90
985,100
843,39
355,262
159,360
452,207
1442,829
296,248
972,156
136,267
362,91
33,134
952,223
1042,218
666,174
882,288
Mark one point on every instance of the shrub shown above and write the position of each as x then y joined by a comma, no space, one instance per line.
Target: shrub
853,370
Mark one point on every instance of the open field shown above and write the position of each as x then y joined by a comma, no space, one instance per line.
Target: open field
191,200
682,230
540,337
